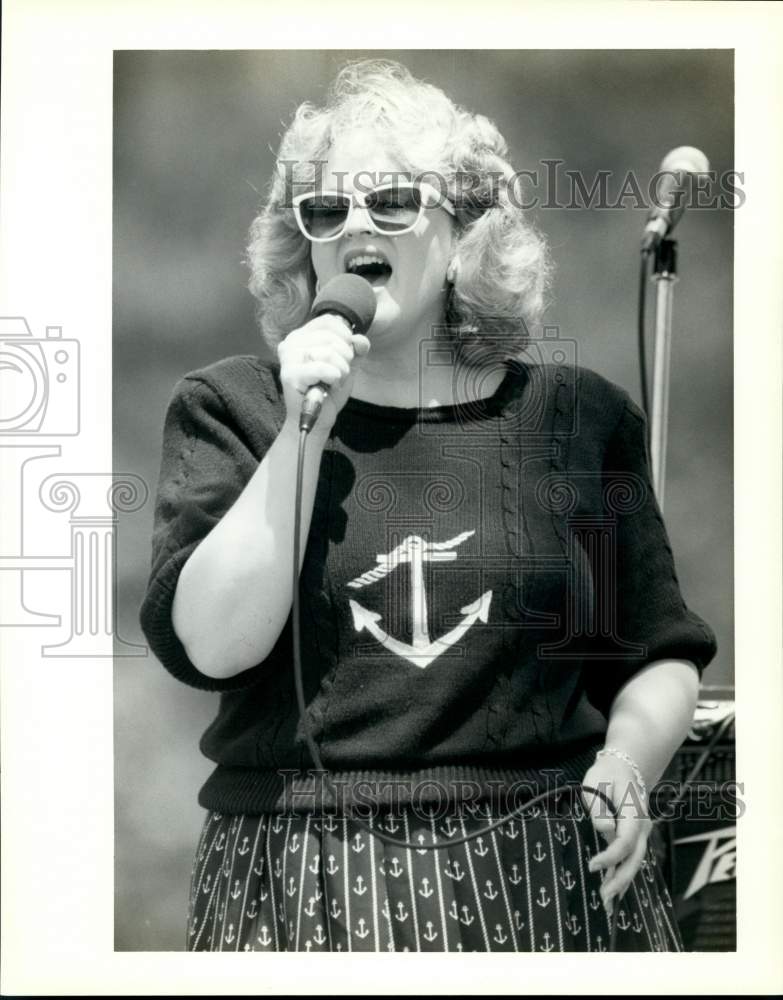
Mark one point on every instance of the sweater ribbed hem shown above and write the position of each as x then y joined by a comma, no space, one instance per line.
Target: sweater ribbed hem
250,791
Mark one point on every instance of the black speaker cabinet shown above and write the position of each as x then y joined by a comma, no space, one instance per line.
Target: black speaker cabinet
699,804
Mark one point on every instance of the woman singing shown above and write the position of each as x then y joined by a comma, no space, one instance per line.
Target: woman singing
489,603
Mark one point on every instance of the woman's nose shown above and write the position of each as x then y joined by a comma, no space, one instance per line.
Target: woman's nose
358,220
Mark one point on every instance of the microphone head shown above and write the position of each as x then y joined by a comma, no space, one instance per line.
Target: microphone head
349,296
685,159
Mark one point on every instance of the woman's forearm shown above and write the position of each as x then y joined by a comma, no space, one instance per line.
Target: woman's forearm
233,595
652,713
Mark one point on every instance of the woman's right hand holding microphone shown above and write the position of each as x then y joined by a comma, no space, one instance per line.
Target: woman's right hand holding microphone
323,350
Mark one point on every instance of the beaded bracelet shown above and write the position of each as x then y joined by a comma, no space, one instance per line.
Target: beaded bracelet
614,752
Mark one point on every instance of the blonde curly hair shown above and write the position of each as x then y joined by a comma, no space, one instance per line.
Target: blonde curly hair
499,286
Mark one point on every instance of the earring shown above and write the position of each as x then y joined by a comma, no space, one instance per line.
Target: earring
452,271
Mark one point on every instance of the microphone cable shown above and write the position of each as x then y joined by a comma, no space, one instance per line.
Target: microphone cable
313,749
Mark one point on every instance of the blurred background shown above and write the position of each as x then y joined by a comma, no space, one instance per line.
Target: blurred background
194,141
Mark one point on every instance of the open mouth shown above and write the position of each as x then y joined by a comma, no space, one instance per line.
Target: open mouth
372,267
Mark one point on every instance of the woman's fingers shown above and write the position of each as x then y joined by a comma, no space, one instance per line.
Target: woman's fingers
319,345
360,344
311,372
621,846
617,883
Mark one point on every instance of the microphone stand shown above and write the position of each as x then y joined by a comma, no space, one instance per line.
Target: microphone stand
664,276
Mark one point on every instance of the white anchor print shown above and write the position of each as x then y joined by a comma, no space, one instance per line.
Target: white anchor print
426,889
566,879
452,870
499,936
392,826
429,934
358,844
481,848
491,892
544,899
547,945
363,930
244,846
515,878
264,938
539,854
319,937
415,551
360,888
448,829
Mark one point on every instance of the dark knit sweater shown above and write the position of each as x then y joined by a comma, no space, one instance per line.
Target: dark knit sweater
479,582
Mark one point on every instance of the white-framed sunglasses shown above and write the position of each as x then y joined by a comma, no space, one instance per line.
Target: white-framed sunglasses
393,209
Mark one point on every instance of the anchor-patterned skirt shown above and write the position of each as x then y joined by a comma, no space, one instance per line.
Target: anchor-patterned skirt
315,883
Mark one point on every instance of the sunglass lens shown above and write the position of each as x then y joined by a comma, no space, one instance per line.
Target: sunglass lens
394,208
324,214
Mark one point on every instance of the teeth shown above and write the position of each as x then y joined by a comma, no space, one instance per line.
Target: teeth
364,260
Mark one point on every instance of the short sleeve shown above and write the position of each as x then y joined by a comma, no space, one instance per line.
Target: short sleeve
640,614
205,465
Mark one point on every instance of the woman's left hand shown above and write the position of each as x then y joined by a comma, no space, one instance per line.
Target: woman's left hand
627,838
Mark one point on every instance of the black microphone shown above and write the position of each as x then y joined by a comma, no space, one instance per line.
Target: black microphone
351,298
675,167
